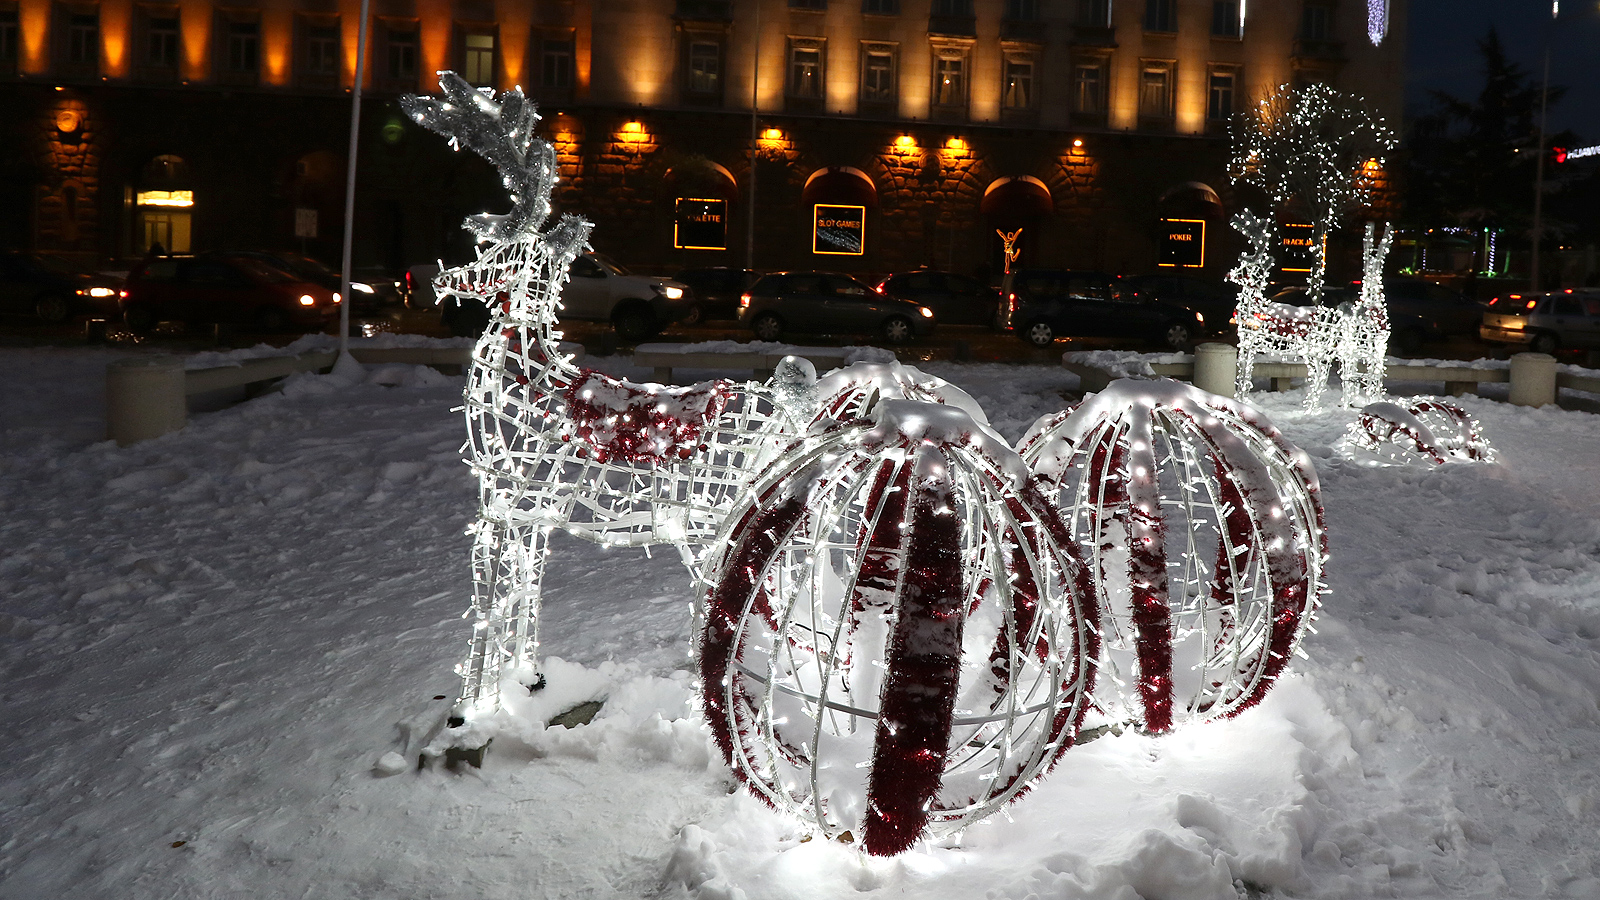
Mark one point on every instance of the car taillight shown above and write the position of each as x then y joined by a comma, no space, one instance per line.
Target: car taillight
411,285
1011,303
744,301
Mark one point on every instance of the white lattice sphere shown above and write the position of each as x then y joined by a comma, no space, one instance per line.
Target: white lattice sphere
899,635
1425,429
1203,528
853,390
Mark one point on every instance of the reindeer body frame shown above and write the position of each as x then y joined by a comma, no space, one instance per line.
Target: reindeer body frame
556,447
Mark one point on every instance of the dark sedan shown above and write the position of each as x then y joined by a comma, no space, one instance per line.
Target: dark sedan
54,289
829,303
1041,305
1215,300
223,288
954,299
716,291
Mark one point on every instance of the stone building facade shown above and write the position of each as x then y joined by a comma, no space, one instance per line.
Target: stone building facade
692,132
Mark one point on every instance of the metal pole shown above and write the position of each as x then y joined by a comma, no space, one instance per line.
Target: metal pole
350,184
1538,180
755,102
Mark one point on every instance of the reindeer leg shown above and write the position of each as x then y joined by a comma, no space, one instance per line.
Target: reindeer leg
1243,379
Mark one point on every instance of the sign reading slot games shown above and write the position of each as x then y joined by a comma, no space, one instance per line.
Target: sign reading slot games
700,224
838,230
1297,248
1183,243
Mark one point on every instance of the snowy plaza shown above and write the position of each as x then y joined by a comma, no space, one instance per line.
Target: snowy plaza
213,641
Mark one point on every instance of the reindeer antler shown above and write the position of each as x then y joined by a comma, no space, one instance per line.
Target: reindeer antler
501,132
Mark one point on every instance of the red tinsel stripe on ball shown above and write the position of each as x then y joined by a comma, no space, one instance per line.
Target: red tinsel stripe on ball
622,421
924,665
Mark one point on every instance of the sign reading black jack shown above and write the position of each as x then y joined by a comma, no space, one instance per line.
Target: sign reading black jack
700,224
1297,241
1183,243
838,230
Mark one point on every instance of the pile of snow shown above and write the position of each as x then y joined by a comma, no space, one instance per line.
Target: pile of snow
1125,363
220,652
852,353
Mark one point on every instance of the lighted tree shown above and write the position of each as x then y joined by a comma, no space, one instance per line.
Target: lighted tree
1306,147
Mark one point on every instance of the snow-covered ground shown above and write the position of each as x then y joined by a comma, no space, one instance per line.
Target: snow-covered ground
209,640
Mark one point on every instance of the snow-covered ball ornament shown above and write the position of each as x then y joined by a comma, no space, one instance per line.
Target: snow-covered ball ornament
852,391
900,635
1204,531
1426,430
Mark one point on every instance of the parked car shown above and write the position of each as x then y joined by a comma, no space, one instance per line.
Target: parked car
598,290
1545,323
54,289
1041,305
225,288
1215,300
954,299
367,293
829,303
716,291
1419,311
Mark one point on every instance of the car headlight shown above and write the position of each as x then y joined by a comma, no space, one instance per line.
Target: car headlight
673,293
336,297
1199,317
926,312
307,300
363,288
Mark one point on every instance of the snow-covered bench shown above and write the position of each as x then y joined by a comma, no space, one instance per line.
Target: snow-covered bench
759,359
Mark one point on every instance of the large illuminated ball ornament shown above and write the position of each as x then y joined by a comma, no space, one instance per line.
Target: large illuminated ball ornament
1204,531
1426,430
854,390
899,636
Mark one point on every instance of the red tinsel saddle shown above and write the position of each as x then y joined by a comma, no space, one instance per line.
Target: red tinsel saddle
641,423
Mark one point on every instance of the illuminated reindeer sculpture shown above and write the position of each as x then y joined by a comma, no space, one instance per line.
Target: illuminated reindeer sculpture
1355,334
555,446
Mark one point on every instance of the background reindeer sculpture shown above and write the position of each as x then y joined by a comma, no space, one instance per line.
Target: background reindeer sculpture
559,447
1356,334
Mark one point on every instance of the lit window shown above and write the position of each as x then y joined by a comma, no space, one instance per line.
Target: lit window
1159,16
1094,13
1316,22
402,55
1088,88
556,64
950,81
877,76
705,67
1219,104
322,49
805,72
83,39
479,68
244,47
1225,21
1018,93
1155,91
161,42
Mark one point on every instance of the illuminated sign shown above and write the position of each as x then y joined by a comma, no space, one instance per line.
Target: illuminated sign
1297,241
164,198
1183,243
838,230
1563,154
699,224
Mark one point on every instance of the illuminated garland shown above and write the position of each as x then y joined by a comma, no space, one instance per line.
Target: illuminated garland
1377,21
1203,529
1426,429
900,636
559,447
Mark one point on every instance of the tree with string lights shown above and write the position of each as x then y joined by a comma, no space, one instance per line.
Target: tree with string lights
1306,148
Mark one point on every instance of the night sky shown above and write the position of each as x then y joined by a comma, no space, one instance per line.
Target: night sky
1442,53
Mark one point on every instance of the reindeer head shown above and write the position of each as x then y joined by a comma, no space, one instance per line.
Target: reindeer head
502,132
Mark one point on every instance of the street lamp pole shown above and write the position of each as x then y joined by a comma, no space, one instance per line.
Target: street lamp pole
350,183
1538,179
755,101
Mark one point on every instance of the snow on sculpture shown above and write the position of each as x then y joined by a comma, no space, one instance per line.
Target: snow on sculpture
1203,530
1309,147
1426,429
555,446
900,635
